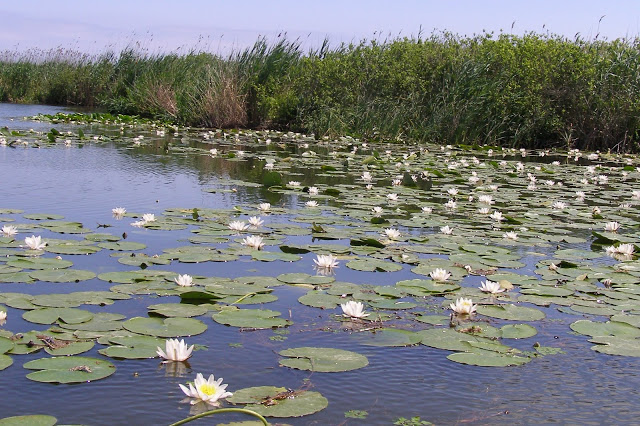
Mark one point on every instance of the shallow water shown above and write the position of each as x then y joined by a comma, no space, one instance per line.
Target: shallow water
84,183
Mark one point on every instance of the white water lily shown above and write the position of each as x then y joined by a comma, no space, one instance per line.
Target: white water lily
439,274
559,205
396,182
311,203
377,210
611,226
427,210
451,205
184,280
294,183
255,221
392,197
138,223
3,316
446,230
484,210
510,235
353,309
313,190
265,207
269,166
208,391
326,262
9,231
474,179
35,243
463,306
238,225
452,191
626,249
635,194
497,216
175,350
580,195
118,212
253,241
149,217
491,287
596,210
392,234
366,176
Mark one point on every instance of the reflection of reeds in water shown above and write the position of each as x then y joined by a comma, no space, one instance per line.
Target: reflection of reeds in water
533,91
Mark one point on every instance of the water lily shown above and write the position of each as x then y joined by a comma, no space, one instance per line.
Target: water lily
491,287
396,182
313,190
451,205
149,217
175,350
463,306
265,207
253,241
439,274
392,197
392,234
377,210
485,199
138,223
559,205
184,280
3,317
427,210
626,249
326,262
238,225
208,391
611,226
255,221
294,183
510,235
596,210
580,195
497,216
311,203
484,210
35,243
366,176
118,212
9,231
353,309
452,191
446,230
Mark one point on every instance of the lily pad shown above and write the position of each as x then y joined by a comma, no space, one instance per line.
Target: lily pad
133,347
511,312
51,315
322,359
69,369
183,310
62,275
394,337
170,327
297,404
485,358
250,318
518,331
29,420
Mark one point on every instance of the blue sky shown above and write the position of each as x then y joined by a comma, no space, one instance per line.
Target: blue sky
164,25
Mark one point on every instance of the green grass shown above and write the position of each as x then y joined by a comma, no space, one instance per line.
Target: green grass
532,91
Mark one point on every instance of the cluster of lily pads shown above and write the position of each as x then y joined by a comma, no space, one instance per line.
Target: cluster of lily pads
485,241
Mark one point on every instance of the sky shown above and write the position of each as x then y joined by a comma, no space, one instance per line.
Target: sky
221,26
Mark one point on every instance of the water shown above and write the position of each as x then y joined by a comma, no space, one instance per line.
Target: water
84,183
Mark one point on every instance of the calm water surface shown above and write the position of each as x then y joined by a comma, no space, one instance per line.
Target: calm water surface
84,184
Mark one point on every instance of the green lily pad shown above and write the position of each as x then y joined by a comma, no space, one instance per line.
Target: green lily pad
518,331
322,359
69,369
394,337
71,348
373,265
122,246
616,345
446,338
319,299
609,328
511,312
485,358
39,263
170,327
250,318
300,403
177,310
29,420
51,315
62,275
133,347
302,278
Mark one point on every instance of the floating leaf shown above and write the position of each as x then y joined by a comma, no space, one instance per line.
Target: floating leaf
133,347
170,327
485,358
518,331
29,420
250,318
62,275
394,337
297,404
51,315
177,310
511,312
69,369
322,359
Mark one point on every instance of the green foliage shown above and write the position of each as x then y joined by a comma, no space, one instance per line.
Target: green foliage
532,91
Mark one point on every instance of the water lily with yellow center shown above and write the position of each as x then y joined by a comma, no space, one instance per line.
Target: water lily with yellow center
311,203
353,309
209,391
35,243
184,280
326,262
253,241
452,191
238,225
491,287
377,210
463,306
497,216
439,274
9,231
149,217
255,221
175,350
611,226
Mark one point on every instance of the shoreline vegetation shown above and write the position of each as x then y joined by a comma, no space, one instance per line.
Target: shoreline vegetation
536,91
